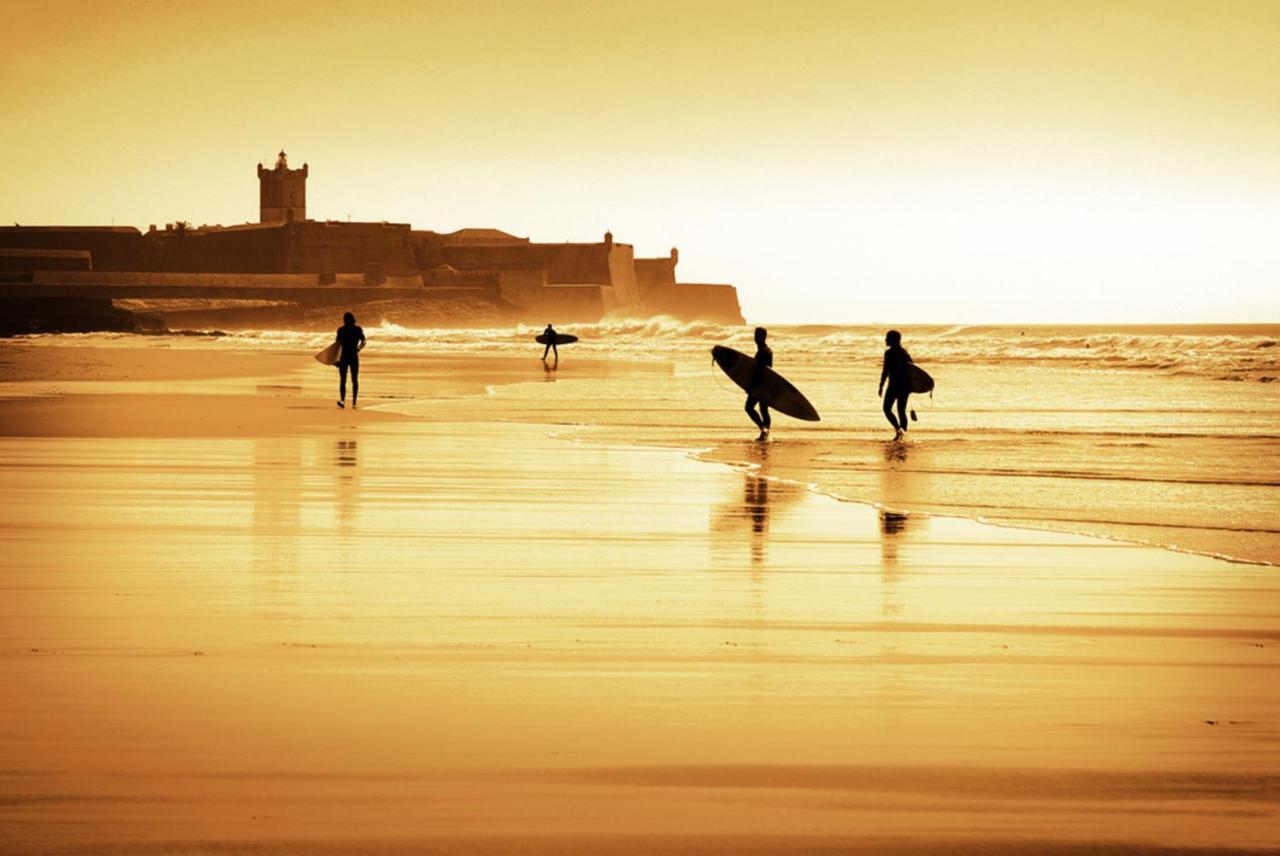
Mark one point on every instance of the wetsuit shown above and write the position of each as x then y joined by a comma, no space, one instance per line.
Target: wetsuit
550,333
896,363
764,358
349,338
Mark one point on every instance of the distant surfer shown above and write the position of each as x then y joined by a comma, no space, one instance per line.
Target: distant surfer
351,340
550,335
764,359
897,371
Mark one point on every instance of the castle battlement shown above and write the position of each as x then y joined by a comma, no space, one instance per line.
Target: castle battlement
282,192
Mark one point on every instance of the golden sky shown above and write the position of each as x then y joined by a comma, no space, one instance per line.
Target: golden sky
858,162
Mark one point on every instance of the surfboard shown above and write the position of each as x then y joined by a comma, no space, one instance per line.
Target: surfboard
561,339
920,380
329,356
773,389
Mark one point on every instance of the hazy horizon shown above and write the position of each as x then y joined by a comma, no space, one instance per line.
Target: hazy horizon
935,163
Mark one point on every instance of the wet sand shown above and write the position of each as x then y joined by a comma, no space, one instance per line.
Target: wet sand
311,630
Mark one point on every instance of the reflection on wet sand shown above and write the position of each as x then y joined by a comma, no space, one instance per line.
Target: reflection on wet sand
248,682
762,496
895,485
346,459
276,510
897,481
892,524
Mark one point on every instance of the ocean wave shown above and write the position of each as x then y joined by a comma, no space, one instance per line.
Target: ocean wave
656,327
1231,355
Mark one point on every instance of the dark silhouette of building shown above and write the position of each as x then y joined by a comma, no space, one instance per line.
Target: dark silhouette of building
571,281
282,192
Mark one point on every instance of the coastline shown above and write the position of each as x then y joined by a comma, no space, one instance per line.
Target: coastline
967,463
366,631
1047,470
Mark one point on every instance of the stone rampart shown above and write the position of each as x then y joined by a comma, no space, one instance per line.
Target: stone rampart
695,302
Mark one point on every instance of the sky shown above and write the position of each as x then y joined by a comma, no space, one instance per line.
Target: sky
851,162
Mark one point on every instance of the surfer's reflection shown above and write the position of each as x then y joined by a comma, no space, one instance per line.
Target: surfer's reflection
897,483
892,525
346,455
895,453
753,513
346,459
755,505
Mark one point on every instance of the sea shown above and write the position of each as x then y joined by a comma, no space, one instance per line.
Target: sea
1164,435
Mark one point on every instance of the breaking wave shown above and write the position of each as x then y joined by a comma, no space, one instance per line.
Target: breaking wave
1225,353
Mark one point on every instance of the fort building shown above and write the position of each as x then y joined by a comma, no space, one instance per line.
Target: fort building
282,192
287,257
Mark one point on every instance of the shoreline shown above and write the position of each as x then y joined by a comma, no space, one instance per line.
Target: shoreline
485,376
814,487
370,629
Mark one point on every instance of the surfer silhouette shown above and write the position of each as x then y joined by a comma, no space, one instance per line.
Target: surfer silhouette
351,340
897,372
550,334
764,359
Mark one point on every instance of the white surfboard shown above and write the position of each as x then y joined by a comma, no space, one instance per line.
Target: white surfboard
329,356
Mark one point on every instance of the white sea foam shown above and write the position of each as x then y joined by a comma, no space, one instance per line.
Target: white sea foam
1221,353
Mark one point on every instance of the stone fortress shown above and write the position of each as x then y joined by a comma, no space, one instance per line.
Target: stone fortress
256,272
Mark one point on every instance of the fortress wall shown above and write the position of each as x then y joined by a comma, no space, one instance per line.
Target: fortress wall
562,303
655,272
696,302
483,237
522,287
298,247
394,280
323,246
33,260
576,264
221,280
111,247
523,269
217,280
248,251
487,256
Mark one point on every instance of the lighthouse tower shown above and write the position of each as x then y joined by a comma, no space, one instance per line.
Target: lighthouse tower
282,192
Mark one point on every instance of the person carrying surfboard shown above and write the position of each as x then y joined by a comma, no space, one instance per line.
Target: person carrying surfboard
897,370
351,340
550,335
764,359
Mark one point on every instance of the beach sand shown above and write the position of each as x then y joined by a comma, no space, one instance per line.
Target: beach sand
237,619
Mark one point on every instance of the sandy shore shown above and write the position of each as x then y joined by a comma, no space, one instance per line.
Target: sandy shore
235,619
